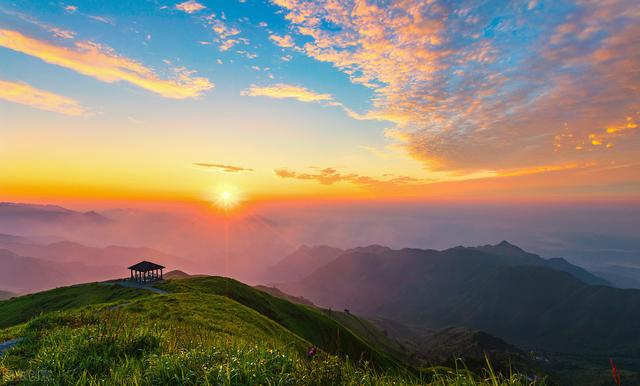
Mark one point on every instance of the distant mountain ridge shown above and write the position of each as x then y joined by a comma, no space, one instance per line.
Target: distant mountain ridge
6,295
518,256
44,212
28,267
500,289
22,274
306,259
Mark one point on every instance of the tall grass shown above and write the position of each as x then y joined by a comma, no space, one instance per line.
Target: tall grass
111,346
196,338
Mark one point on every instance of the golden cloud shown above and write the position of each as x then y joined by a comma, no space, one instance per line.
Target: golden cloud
285,41
284,91
25,94
436,77
330,176
190,6
223,168
103,63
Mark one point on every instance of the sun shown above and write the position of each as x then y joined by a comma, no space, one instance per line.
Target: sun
226,200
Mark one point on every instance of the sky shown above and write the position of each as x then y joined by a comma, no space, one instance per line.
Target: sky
319,100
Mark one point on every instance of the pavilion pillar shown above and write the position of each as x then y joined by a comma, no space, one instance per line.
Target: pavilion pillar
132,274
161,274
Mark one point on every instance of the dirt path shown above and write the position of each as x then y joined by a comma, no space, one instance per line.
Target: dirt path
4,346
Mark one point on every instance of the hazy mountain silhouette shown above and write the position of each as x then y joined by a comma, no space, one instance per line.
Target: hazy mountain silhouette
67,251
28,267
500,289
22,274
6,295
302,262
31,212
517,256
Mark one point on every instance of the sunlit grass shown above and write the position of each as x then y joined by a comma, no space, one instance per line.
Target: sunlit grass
200,338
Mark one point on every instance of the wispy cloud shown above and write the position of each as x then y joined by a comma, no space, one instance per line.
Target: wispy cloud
287,91
330,176
102,19
223,168
103,63
26,94
227,34
190,6
54,30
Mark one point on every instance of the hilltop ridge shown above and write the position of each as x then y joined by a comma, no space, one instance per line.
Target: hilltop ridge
203,330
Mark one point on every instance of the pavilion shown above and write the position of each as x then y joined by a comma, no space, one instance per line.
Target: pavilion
146,271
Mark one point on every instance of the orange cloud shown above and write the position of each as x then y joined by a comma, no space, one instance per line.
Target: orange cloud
455,107
103,63
190,6
223,168
330,176
283,91
285,41
630,124
27,95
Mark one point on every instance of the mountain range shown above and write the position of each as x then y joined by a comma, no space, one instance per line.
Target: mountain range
29,266
501,289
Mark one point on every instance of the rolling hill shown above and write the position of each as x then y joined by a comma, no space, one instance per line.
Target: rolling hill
205,330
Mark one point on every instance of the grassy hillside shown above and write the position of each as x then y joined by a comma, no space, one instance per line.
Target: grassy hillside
307,322
203,331
23,308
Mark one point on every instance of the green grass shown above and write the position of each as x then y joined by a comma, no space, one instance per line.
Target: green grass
23,308
205,331
307,322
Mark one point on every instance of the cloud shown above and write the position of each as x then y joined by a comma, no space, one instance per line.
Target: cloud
190,6
227,35
62,33
330,176
285,41
284,91
224,168
102,19
55,31
103,63
472,87
25,94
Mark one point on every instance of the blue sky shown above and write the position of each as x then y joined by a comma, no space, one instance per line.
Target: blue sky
322,98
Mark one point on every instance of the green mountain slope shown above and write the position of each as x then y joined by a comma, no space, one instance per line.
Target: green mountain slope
21,309
526,304
207,330
306,322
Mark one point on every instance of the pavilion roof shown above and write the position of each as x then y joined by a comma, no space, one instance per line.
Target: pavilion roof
145,266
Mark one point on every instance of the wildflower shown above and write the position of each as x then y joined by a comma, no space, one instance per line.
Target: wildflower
614,372
312,352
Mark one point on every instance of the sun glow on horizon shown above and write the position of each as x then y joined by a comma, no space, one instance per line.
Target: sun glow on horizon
227,199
